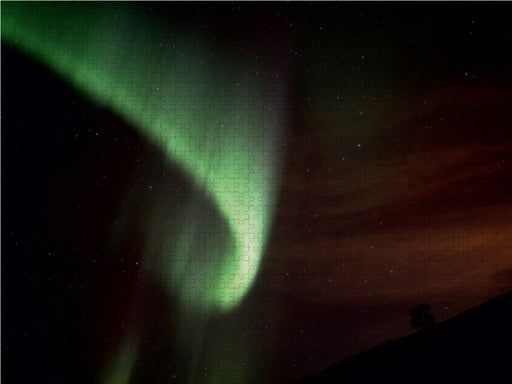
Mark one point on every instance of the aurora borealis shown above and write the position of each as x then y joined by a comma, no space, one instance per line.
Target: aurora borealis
206,115
196,109
245,193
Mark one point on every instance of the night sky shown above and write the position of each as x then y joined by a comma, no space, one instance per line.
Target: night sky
383,180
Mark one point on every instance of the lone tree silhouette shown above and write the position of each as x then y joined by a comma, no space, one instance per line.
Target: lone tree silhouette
421,317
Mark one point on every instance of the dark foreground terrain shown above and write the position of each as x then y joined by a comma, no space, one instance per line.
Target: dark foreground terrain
472,347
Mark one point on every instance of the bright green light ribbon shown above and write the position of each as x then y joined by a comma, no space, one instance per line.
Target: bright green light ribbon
214,117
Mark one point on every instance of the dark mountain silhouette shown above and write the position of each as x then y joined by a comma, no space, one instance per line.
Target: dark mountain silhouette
475,346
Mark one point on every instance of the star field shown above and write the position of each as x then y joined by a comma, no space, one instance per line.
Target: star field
246,193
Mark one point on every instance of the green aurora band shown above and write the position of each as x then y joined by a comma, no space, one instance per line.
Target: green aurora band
217,117
214,117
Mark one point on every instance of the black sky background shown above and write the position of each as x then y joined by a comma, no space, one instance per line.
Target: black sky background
363,172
